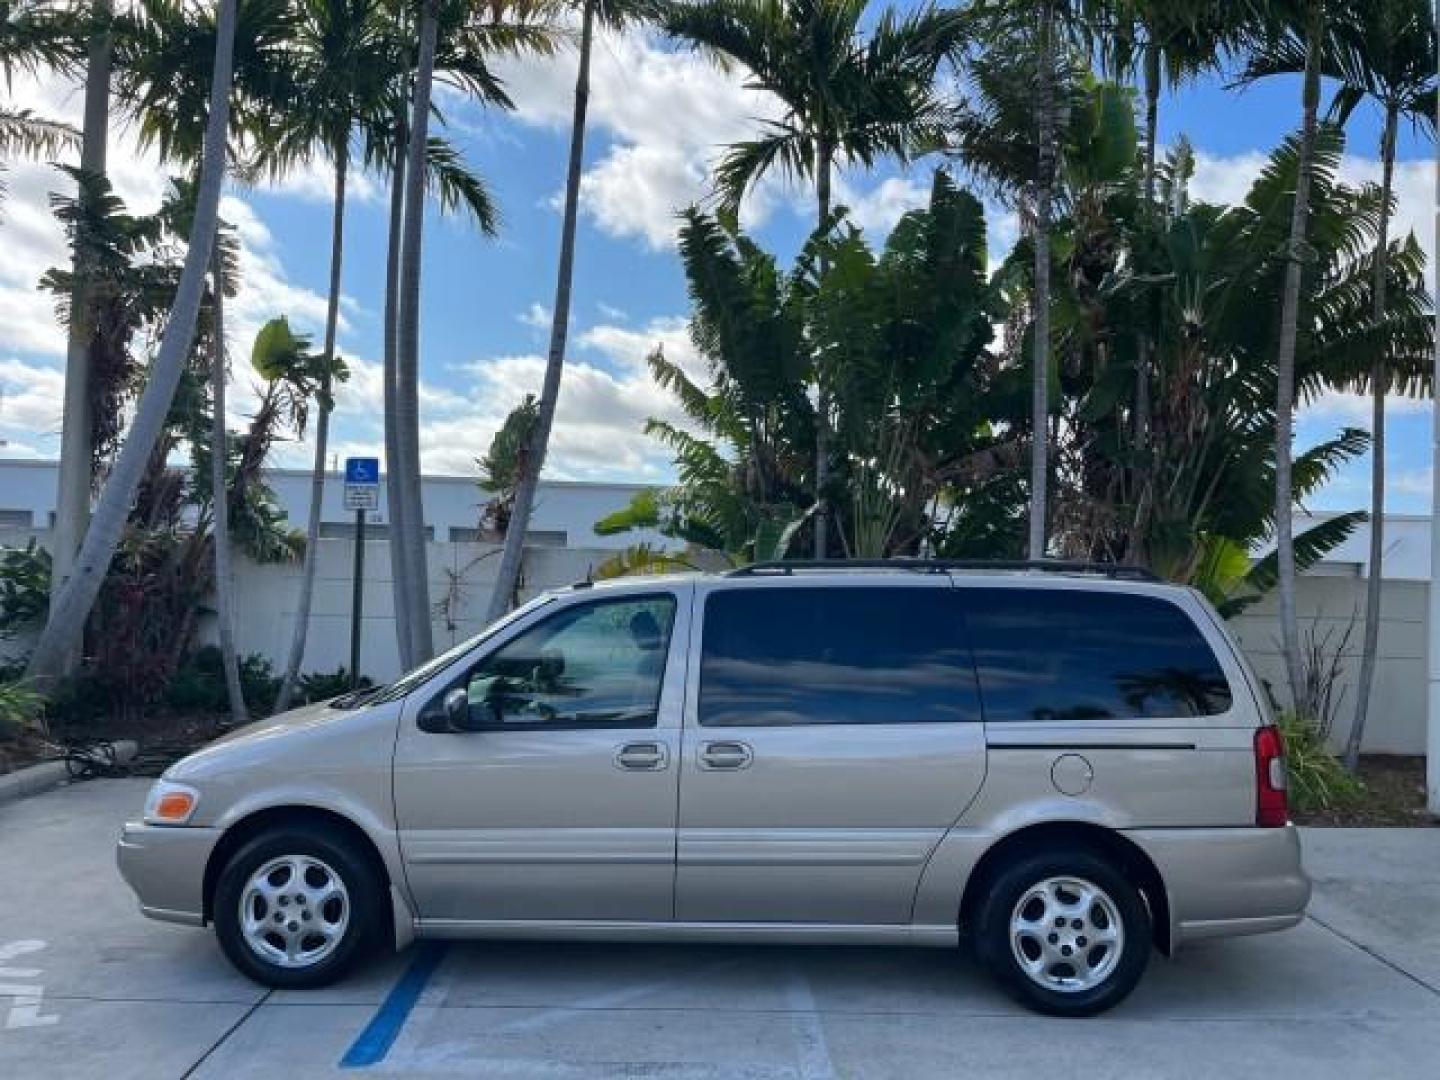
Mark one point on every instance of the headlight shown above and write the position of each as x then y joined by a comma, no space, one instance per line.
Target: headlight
170,803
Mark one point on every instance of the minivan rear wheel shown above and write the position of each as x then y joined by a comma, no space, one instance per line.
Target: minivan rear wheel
295,906
1065,933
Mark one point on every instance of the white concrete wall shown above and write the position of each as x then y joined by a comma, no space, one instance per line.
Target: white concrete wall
1396,723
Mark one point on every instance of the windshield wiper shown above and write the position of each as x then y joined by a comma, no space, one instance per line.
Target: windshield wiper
356,697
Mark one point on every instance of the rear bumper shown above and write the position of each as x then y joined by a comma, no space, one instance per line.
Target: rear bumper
165,866
1226,882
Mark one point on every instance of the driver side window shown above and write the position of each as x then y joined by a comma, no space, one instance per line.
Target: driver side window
589,665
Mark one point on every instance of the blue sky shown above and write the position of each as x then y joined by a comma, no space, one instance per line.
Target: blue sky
657,118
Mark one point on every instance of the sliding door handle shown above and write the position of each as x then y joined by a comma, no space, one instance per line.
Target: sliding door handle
726,755
642,756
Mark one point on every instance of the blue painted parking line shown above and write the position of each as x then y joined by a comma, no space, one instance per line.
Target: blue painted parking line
372,1044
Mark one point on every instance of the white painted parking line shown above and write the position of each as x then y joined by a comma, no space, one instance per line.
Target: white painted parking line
815,1063
26,998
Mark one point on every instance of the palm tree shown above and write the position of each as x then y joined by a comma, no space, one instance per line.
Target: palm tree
1040,322
1031,58
351,69
163,81
219,494
70,609
406,417
72,498
1384,50
1297,25
454,43
848,95
35,36
341,82
1169,42
614,14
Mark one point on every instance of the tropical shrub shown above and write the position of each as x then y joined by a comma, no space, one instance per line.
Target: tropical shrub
20,707
24,588
1318,781
324,685
198,685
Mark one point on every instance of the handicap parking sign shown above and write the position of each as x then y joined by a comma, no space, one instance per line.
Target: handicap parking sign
362,483
362,470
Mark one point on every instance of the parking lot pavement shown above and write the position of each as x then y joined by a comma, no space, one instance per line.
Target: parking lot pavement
90,988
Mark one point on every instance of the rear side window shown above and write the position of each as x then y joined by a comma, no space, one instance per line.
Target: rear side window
782,657
1053,654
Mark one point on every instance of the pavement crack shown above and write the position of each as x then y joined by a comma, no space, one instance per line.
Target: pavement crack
1373,953
225,1035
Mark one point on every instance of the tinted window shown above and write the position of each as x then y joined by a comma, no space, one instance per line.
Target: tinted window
834,656
589,665
1051,654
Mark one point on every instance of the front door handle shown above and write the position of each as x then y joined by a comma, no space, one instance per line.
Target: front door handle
726,755
642,756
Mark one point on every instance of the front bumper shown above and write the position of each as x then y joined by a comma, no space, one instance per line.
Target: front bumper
165,866
1226,882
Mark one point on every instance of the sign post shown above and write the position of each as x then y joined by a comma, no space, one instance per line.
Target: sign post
362,494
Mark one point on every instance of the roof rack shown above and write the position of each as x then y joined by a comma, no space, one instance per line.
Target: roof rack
1116,571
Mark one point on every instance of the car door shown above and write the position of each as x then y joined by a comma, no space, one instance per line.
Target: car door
560,801
832,736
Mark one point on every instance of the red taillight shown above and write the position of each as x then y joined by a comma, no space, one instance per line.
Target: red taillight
1272,809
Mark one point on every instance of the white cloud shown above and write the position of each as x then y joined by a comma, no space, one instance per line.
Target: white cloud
877,210
537,316
31,400
606,395
668,113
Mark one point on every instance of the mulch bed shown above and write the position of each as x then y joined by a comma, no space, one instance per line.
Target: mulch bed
163,738
21,748
1393,795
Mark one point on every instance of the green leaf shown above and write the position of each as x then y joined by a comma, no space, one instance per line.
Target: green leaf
275,351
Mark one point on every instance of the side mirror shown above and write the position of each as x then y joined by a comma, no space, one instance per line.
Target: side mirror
456,707
455,715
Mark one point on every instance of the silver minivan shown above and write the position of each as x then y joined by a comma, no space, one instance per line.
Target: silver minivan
1067,766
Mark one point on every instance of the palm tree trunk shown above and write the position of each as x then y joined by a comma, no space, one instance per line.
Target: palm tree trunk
394,494
72,497
1040,374
407,405
1379,377
1136,550
311,561
824,164
220,498
70,609
508,575
1152,114
1285,362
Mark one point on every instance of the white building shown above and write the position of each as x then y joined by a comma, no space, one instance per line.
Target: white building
564,516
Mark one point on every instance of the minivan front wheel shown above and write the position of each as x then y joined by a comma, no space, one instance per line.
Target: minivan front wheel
294,906
1065,934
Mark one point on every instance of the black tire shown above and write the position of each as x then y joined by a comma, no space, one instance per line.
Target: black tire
363,888
992,936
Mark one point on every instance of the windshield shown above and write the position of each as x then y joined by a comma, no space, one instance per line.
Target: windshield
409,681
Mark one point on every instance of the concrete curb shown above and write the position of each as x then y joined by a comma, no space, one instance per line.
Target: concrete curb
50,774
